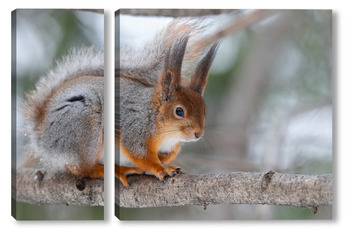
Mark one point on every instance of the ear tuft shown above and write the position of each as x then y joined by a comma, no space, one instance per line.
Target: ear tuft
200,77
167,89
170,79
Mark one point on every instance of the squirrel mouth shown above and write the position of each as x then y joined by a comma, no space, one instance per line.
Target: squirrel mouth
191,139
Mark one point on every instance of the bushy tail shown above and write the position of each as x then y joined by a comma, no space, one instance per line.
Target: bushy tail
82,61
148,62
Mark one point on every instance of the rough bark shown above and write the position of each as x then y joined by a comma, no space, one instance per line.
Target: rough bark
43,187
310,191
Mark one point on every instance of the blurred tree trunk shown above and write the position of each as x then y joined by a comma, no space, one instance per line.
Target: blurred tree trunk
246,88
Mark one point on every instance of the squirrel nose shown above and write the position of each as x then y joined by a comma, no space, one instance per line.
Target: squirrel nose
198,135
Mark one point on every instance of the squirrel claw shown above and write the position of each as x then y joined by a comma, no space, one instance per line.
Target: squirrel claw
178,170
172,170
161,175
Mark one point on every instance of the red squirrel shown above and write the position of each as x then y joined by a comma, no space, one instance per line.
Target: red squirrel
159,108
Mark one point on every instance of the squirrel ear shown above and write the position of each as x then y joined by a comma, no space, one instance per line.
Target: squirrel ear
170,79
200,77
167,86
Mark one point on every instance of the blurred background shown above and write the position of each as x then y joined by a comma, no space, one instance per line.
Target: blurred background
269,106
43,37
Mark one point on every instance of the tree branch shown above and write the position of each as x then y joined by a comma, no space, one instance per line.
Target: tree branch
239,24
309,191
44,187
175,12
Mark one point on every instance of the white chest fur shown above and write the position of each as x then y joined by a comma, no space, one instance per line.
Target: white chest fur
166,147
168,144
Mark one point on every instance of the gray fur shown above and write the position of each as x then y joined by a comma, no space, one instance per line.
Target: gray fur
137,116
70,130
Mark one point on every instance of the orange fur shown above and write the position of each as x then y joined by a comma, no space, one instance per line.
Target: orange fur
96,171
153,162
122,171
169,157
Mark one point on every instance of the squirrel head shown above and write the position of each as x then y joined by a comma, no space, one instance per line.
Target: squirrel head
181,109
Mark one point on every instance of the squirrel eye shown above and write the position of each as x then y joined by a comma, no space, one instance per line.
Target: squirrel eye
180,112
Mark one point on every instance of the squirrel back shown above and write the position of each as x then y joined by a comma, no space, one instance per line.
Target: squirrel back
64,113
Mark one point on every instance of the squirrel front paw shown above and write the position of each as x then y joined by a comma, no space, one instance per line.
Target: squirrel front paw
170,170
